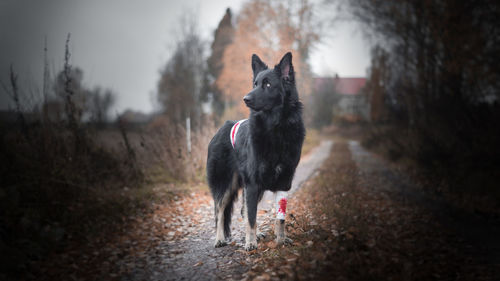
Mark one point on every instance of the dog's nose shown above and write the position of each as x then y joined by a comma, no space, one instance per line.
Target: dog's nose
247,100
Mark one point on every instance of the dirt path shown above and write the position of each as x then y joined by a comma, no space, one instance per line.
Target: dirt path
192,256
366,220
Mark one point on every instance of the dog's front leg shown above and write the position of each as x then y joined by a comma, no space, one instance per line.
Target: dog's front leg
251,201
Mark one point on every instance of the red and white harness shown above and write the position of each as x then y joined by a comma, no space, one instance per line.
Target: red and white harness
280,196
234,131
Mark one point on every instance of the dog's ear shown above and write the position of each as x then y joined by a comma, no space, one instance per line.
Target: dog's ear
285,67
257,65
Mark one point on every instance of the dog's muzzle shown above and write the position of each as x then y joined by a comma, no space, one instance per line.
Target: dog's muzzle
248,101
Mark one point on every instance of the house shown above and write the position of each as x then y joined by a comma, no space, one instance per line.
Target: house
351,103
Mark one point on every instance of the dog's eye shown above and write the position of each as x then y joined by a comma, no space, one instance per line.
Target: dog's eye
255,84
268,85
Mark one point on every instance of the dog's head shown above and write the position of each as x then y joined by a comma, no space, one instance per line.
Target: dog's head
271,87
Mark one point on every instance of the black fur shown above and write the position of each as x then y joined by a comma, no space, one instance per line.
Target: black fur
268,145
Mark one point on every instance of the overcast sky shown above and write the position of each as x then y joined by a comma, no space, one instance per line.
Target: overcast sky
122,44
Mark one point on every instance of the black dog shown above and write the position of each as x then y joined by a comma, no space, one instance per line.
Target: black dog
258,154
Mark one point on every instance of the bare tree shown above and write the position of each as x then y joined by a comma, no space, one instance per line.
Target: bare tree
441,83
444,53
100,103
68,88
181,80
324,98
378,79
223,36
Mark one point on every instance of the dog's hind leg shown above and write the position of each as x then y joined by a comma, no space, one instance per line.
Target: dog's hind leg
220,210
219,231
243,205
223,211
228,209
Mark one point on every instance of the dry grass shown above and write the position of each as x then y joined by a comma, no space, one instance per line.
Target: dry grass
161,151
312,140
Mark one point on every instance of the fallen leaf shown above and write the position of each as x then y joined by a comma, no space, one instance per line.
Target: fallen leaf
271,244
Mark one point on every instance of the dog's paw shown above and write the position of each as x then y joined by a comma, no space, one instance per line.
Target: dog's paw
220,243
250,246
284,241
261,236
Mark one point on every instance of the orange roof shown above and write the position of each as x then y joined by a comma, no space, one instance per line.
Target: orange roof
343,86
349,86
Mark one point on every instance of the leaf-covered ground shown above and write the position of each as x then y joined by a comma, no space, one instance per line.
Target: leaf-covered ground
352,221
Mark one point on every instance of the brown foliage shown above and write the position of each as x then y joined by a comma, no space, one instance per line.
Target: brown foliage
223,36
347,226
266,28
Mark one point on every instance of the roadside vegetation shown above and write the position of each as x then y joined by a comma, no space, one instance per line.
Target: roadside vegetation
434,94
70,175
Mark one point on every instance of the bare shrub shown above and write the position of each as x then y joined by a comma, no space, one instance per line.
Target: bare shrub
164,155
